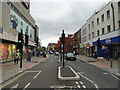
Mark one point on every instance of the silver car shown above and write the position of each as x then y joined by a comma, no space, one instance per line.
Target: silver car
70,56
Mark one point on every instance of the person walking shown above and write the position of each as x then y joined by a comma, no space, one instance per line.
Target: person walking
29,57
15,58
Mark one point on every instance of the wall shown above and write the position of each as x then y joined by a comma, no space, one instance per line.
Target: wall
0,14
109,21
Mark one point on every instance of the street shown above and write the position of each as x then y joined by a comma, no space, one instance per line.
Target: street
44,75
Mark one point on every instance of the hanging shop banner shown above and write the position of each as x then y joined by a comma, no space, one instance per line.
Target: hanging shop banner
19,24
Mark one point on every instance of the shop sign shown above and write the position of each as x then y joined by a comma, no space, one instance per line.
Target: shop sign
88,45
82,45
108,40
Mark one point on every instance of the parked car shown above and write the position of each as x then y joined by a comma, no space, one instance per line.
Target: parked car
70,56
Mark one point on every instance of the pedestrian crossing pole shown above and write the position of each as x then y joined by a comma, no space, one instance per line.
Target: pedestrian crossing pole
20,46
63,42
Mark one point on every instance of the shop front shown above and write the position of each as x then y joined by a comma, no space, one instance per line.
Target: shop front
7,51
88,49
112,44
82,49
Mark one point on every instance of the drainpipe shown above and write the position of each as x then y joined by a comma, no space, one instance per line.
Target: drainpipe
113,17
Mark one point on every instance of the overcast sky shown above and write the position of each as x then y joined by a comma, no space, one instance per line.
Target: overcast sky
53,16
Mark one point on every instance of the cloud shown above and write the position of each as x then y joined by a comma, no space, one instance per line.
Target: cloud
53,17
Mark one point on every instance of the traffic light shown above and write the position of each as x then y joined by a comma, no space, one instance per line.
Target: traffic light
20,38
26,39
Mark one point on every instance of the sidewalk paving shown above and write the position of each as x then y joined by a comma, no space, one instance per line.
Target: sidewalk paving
105,65
9,70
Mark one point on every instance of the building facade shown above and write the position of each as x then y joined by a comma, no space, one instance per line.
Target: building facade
67,45
76,41
103,24
15,17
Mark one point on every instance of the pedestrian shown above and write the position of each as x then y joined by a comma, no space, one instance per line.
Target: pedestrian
107,54
15,58
29,57
18,54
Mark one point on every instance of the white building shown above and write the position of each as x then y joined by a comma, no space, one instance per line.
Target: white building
104,24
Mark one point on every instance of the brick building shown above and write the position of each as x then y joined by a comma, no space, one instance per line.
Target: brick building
68,47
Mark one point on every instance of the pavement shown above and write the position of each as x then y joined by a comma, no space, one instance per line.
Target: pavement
8,70
105,65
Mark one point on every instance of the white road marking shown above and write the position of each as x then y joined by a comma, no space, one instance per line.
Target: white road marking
76,82
27,85
115,76
81,82
76,77
96,86
32,71
86,78
78,86
37,74
81,72
84,86
106,73
89,80
15,86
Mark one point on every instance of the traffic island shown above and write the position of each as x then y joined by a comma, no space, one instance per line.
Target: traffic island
67,73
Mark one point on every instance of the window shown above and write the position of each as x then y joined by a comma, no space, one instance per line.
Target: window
108,14
108,29
92,24
89,36
102,18
89,26
119,24
118,7
98,33
92,34
97,21
103,31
